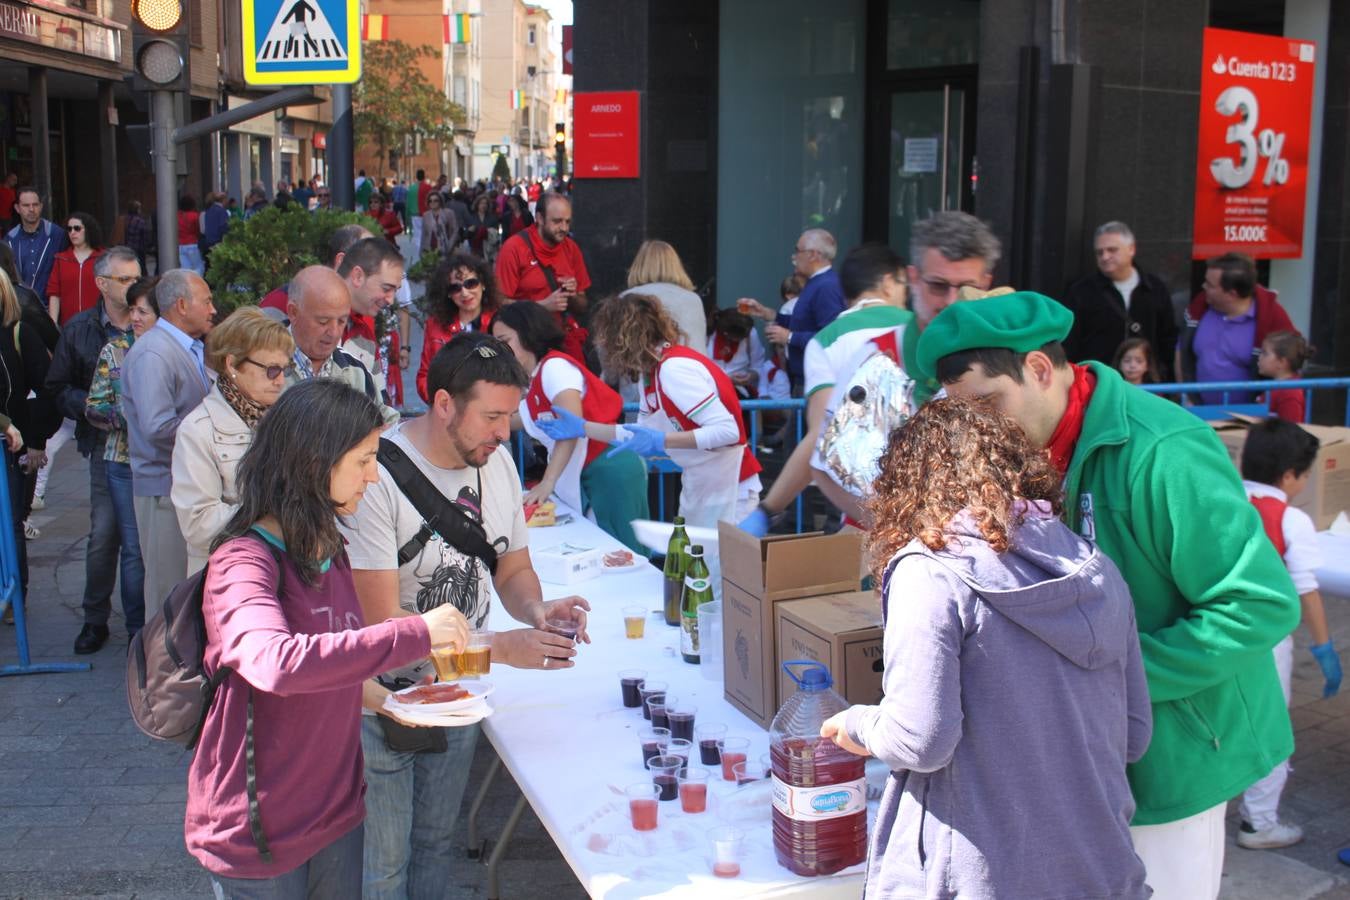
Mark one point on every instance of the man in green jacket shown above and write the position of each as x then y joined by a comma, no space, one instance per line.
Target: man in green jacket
1152,485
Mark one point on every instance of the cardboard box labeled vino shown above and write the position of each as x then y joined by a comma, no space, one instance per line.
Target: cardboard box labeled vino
843,631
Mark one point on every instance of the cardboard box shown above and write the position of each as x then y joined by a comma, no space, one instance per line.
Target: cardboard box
568,564
844,632
756,574
1328,490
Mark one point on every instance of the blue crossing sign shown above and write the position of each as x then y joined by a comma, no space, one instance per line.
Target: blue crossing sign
302,41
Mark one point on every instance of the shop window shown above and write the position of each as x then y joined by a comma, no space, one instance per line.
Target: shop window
922,34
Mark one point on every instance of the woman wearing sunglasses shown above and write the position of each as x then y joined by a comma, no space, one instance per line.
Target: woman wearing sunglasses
72,288
461,296
250,352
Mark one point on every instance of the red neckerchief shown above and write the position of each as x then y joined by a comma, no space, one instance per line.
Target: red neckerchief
724,348
1065,438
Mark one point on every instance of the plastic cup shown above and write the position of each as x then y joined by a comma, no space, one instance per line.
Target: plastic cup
642,805
476,659
666,775
658,705
681,716
443,660
728,846
746,772
709,739
648,690
634,622
745,305
654,742
694,790
681,748
733,750
630,684
563,625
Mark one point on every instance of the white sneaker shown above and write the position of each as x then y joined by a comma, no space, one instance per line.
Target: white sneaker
38,502
30,531
1281,834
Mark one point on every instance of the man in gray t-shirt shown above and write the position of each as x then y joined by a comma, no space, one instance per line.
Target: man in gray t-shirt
460,445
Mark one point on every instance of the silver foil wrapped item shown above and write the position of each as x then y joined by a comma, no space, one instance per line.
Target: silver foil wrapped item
877,399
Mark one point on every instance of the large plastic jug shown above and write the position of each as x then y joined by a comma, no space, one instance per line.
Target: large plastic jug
819,790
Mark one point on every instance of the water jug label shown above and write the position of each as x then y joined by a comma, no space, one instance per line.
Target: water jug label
818,804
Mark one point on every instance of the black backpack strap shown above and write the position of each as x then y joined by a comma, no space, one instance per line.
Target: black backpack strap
439,514
549,274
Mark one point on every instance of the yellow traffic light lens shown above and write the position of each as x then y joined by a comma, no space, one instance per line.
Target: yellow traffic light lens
158,15
559,137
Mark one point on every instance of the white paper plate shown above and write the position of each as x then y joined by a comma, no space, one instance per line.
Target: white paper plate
477,688
637,563
443,720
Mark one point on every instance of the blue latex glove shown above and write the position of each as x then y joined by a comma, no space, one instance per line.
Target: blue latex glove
1330,661
564,426
640,440
757,523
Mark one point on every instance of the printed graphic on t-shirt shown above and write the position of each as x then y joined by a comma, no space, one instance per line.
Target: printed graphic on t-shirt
446,575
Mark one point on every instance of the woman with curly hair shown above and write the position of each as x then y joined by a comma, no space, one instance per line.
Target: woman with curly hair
461,296
1014,689
687,410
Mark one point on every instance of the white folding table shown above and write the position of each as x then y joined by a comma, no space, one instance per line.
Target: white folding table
572,748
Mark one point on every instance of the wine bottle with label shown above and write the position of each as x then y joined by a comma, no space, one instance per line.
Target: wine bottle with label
697,591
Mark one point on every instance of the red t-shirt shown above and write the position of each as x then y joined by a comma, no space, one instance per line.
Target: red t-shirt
188,232
519,276
74,283
276,299
1288,404
424,190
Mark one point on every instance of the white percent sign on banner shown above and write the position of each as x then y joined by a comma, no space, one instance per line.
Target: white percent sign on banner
1252,145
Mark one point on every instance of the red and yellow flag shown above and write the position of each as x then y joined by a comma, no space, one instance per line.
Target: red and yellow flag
375,28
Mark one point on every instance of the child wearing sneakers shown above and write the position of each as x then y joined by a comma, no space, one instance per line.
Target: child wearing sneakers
1276,462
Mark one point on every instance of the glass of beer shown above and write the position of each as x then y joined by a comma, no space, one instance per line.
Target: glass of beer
634,622
476,659
443,659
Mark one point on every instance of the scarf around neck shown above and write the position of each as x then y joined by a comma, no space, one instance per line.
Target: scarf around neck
247,409
1065,439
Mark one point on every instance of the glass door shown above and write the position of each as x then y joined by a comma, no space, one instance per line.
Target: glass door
929,155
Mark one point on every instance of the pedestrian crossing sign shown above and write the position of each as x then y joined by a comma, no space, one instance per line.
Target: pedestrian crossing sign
302,41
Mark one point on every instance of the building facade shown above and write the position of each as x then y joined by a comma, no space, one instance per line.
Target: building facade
1044,117
522,66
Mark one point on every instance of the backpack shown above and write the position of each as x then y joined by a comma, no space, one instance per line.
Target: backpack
168,689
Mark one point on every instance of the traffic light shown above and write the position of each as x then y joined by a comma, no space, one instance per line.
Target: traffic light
159,35
560,146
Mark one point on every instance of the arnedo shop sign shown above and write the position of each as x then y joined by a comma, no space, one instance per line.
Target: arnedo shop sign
1251,171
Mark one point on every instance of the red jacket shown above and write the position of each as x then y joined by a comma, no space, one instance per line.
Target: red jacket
74,283
435,336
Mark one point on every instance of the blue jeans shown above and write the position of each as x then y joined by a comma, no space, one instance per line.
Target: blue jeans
100,557
334,873
412,801
132,569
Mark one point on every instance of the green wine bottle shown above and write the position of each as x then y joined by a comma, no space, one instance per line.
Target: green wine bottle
676,560
697,591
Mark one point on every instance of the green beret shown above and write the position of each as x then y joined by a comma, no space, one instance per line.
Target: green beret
1021,322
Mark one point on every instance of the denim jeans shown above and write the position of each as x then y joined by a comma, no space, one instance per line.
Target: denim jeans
190,257
132,568
334,873
412,802
100,558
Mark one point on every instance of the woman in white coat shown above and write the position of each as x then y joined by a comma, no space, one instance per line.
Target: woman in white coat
687,410
250,352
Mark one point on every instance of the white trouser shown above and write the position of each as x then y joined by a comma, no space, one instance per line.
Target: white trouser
64,435
1183,860
1261,802
416,250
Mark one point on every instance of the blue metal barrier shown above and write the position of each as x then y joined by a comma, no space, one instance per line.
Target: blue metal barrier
798,408
11,589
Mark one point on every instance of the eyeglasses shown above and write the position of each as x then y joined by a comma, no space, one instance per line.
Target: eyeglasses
468,284
272,372
942,287
74,228
121,279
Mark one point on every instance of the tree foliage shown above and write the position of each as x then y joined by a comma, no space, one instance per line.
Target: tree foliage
394,100
501,168
263,252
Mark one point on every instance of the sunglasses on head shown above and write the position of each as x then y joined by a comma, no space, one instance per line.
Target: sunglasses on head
488,347
468,284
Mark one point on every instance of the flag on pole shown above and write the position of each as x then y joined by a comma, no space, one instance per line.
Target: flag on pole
517,99
375,28
456,29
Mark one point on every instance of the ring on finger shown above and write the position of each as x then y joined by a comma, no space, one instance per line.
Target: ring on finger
545,662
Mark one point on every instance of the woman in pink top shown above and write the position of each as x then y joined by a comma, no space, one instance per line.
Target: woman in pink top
282,613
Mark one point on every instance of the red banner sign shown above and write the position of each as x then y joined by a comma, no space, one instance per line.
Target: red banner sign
567,49
605,135
1251,170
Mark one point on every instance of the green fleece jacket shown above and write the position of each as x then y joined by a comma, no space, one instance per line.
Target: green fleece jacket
1152,485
